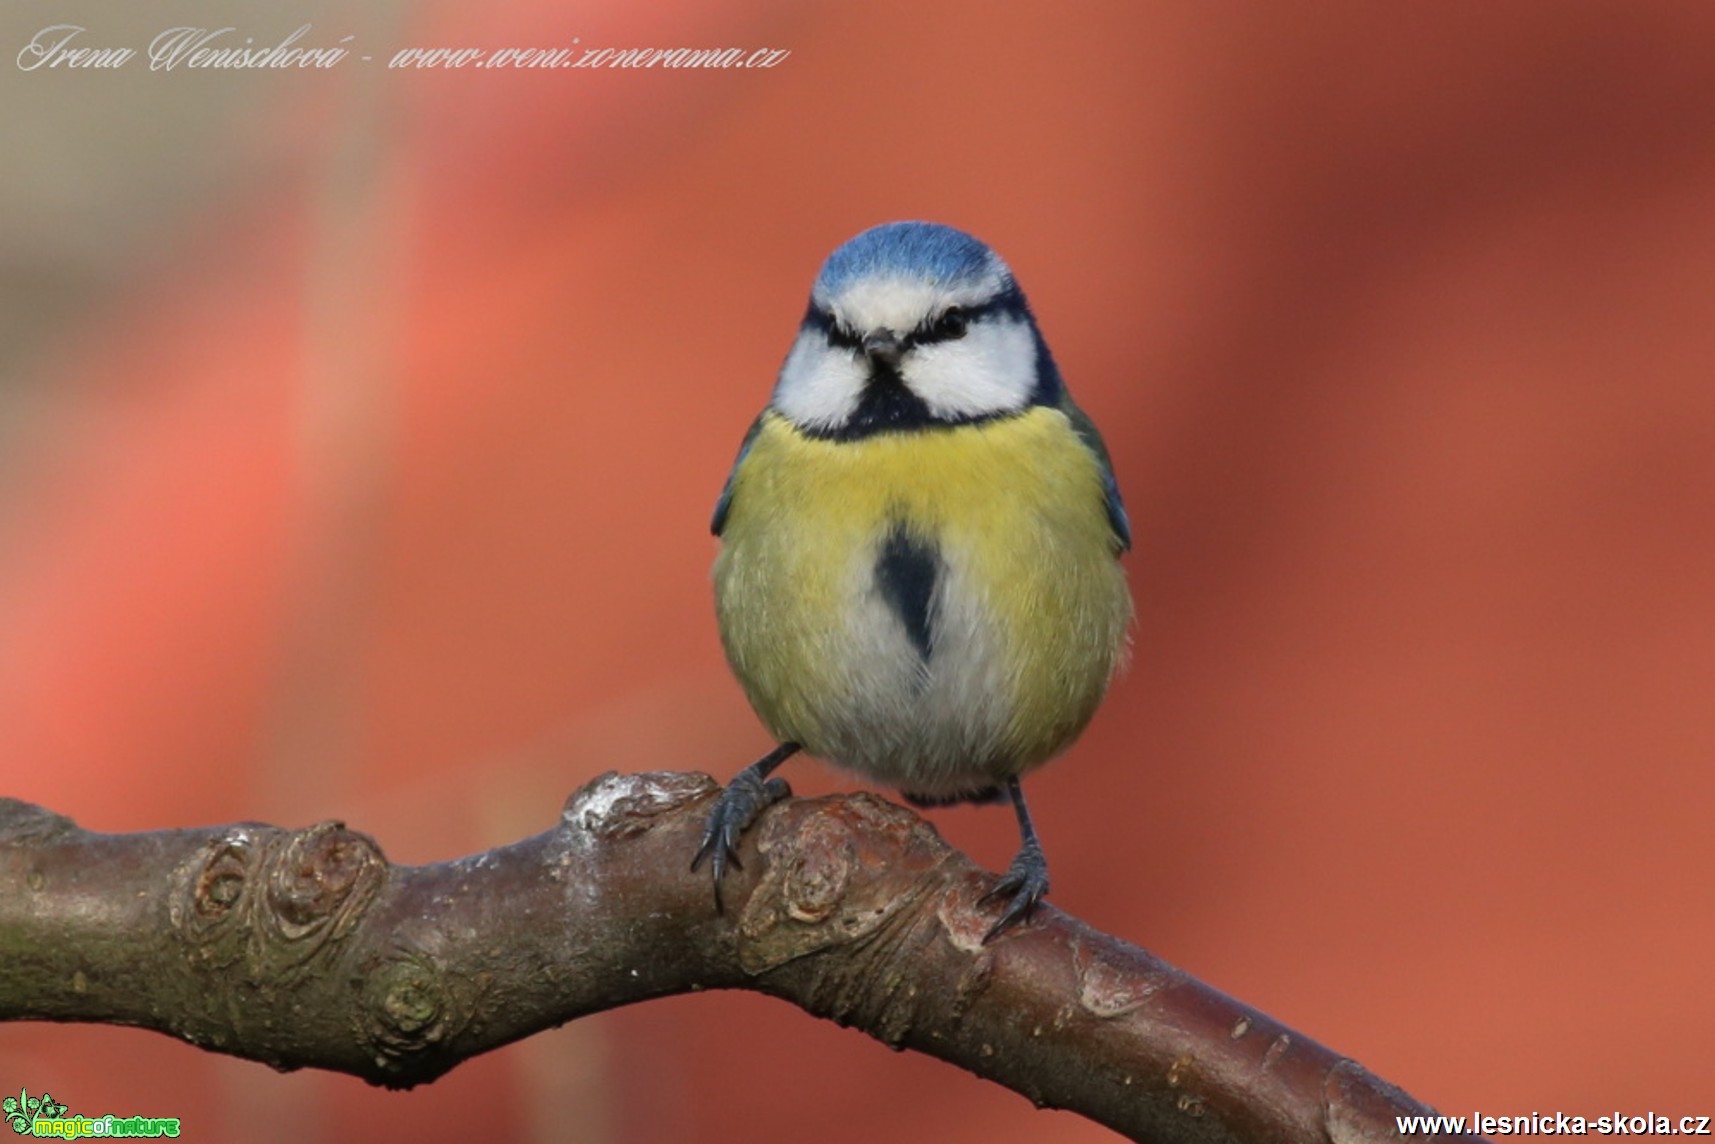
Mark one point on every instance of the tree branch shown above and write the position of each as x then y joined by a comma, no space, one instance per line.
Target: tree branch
308,949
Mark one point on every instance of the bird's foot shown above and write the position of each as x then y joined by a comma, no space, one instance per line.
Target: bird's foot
748,795
1027,881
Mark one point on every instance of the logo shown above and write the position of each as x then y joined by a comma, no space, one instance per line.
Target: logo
45,1118
22,1111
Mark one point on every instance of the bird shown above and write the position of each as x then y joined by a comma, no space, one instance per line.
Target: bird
918,577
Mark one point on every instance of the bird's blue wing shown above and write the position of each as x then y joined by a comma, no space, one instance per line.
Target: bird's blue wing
723,505
1092,439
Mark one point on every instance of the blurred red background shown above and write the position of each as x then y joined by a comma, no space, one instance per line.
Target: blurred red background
359,431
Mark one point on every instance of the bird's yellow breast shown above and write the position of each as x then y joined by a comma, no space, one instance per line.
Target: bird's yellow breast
1029,609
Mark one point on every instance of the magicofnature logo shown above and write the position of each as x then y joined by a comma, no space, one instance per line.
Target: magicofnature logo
43,1116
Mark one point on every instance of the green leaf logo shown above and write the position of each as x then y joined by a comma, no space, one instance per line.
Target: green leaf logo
24,1110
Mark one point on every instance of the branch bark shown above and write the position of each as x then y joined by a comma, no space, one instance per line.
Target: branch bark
308,949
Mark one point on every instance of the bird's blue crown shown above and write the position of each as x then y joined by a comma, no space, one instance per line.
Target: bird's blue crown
925,250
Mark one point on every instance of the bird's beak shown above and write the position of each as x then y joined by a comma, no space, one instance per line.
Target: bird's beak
882,346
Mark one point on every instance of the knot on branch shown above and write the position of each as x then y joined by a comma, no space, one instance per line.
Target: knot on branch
1110,987
408,1008
1358,1103
852,872
275,899
836,872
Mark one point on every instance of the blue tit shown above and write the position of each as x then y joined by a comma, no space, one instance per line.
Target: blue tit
918,577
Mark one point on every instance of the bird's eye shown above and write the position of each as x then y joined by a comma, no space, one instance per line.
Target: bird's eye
950,325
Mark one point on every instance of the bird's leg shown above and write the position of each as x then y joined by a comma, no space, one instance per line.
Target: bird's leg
749,794
1027,878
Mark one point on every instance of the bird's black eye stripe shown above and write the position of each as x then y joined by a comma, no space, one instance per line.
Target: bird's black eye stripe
836,334
949,325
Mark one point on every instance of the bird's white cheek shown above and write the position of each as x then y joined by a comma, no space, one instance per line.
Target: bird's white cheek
819,387
992,369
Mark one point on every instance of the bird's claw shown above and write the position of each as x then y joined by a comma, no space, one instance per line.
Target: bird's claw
747,796
1027,881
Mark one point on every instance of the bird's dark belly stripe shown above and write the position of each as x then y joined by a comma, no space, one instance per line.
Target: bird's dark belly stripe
906,573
